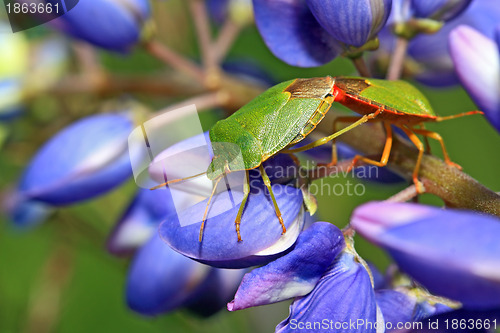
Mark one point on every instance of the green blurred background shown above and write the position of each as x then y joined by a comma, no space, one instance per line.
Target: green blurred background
59,278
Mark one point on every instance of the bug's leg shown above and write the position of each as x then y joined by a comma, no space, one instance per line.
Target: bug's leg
205,214
385,153
246,192
267,182
326,139
176,181
351,119
420,146
426,140
436,136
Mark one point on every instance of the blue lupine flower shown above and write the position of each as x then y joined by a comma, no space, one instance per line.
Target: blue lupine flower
351,22
477,64
112,25
399,307
310,33
260,228
261,233
294,274
343,301
161,280
141,220
422,238
292,33
379,280
86,159
439,10
431,51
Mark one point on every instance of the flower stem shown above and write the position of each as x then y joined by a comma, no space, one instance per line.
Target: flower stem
227,35
202,102
397,61
405,195
175,60
360,64
202,25
45,307
454,187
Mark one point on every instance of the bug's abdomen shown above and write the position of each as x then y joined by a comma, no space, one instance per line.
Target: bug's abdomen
365,106
315,119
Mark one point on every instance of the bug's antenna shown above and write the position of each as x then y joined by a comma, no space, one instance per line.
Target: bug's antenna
177,180
208,205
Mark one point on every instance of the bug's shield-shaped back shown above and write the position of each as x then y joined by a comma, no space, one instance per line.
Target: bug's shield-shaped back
173,148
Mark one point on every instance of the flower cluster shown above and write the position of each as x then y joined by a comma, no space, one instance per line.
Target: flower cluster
245,235
312,33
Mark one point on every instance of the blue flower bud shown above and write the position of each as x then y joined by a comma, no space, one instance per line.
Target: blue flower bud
343,296
454,254
431,52
439,10
477,64
296,273
261,233
86,159
351,22
400,307
293,34
161,280
140,220
112,25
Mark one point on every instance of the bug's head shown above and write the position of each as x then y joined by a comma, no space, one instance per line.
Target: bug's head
227,158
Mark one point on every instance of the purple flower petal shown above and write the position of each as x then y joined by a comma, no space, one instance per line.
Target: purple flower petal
26,213
216,291
161,280
344,295
113,25
294,274
396,307
379,280
84,160
260,229
432,50
351,22
292,33
140,220
399,308
477,63
440,10
455,254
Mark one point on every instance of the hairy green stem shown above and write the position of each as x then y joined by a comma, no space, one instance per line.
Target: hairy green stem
454,187
361,67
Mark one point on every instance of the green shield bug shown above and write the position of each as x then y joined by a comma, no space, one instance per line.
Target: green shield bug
286,113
